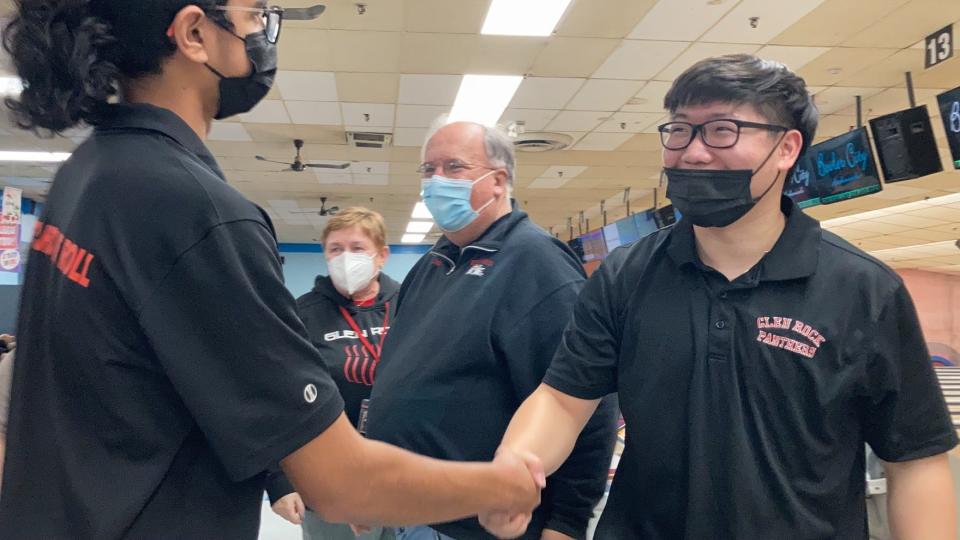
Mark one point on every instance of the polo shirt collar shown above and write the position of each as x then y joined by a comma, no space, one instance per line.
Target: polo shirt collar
795,254
141,116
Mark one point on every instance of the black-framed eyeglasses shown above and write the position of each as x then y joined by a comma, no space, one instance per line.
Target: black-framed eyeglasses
270,18
720,133
452,168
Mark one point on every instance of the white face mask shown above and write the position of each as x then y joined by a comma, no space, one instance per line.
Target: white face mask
351,272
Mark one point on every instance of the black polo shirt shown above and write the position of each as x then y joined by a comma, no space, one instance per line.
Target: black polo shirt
162,364
747,403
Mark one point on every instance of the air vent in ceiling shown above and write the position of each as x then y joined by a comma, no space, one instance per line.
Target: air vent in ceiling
542,142
363,139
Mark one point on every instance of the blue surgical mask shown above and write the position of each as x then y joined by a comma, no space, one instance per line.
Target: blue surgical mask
449,201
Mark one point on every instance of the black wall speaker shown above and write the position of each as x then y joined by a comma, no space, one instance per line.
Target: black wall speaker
905,144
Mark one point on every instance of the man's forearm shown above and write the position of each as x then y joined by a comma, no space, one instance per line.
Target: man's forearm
369,482
921,500
547,425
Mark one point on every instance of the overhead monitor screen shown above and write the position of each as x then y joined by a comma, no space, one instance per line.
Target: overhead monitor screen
949,102
844,167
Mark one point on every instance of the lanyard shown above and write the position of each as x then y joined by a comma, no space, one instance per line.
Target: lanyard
374,352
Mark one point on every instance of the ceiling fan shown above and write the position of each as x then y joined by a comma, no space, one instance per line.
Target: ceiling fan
324,211
303,14
298,165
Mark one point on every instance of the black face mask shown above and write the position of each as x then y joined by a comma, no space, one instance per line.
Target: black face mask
240,94
714,197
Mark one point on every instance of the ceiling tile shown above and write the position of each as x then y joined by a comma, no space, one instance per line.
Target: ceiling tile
649,99
460,17
603,141
831,22
533,119
504,55
837,98
228,131
640,60
371,52
626,122
680,20
429,89
267,112
577,120
907,25
306,49
604,95
889,72
572,57
437,53
545,92
368,87
547,183
370,179
419,116
603,18
841,63
314,112
792,57
409,136
773,18
700,51
307,85
368,115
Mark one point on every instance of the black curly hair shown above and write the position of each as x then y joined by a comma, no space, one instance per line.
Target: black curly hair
777,93
72,54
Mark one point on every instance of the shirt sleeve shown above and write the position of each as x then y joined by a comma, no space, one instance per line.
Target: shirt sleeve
278,485
906,416
225,330
585,364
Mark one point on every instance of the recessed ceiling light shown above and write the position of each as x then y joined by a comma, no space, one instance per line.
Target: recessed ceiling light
35,157
412,238
523,17
420,212
483,98
419,226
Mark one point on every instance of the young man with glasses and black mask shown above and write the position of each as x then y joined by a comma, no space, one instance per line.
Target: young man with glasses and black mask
164,367
754,353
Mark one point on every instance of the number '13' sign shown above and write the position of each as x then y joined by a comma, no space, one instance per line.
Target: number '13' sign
939,46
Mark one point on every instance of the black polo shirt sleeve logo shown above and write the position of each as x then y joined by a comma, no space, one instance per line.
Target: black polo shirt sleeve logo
70,259
765,335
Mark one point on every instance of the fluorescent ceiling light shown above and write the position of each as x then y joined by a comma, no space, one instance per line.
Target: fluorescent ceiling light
420,212
483,98
10,86
38,157
412,238
419,226
523,17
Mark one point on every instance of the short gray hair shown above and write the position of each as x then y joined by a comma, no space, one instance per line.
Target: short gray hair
496,143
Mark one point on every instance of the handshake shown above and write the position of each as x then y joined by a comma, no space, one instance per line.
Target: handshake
525,471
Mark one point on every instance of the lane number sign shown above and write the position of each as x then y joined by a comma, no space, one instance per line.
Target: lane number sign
939,47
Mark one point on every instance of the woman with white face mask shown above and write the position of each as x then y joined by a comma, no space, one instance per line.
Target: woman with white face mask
347,315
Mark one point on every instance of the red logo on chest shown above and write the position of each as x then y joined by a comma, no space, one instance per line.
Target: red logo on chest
807,349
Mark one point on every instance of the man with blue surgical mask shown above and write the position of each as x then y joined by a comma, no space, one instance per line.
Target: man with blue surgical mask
478,319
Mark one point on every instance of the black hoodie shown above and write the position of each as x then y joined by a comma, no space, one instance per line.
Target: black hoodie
349,362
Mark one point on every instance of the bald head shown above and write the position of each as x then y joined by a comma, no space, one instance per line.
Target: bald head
485,145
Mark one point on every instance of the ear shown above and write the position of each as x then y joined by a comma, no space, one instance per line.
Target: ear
384,254
502,181
789,149
188,33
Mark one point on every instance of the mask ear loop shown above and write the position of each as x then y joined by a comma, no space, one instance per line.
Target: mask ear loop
775,178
